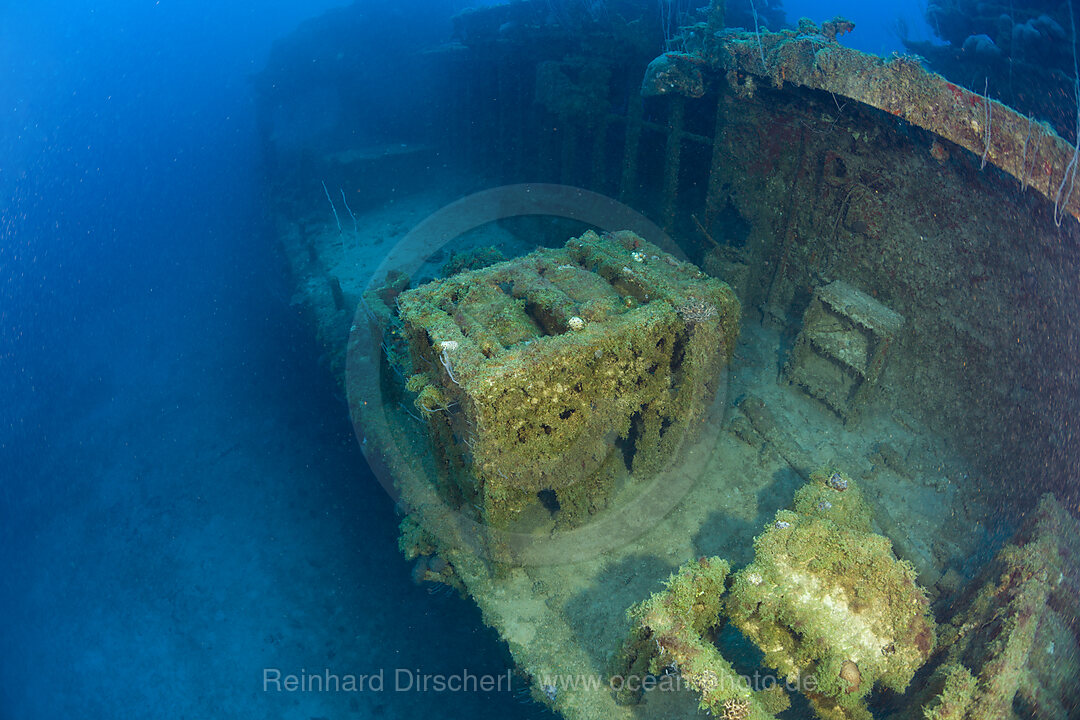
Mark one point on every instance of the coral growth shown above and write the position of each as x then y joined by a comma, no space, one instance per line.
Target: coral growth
827,598
672,631
558,371
1014,645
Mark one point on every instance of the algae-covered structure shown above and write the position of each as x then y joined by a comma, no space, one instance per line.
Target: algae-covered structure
842,347
853,296
673,632
827,597
1011,648
827,602
554,374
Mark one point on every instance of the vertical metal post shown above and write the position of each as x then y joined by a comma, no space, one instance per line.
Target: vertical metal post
780,290
672,159
599,176
628,182
469,119
520,132
549,136
569,150
712,197
502,155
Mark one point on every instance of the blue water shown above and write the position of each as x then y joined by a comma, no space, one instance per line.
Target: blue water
182,502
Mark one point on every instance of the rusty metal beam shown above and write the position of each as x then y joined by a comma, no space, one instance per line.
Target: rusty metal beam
810,57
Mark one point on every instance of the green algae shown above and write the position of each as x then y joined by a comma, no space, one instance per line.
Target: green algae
826,597
672,632
562,371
